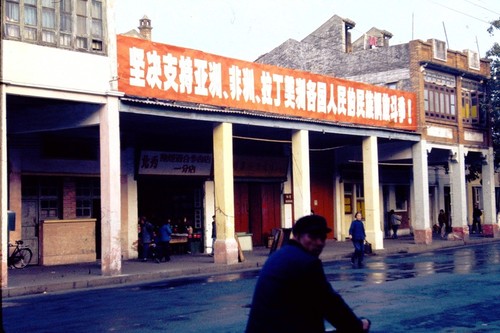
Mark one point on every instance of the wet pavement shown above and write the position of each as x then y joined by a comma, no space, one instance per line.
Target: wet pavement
46,279
451,289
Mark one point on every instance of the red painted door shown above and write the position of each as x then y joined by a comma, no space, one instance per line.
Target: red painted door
257,208
241,218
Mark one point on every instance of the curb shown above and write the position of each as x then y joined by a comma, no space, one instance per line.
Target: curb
194,269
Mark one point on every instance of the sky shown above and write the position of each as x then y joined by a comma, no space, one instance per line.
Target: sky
246,29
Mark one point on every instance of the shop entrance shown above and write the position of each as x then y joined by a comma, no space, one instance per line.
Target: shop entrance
174,198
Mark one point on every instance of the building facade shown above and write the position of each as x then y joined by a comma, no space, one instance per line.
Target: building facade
60,169
98,129
456,157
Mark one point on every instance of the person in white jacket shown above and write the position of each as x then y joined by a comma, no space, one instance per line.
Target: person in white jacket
395,223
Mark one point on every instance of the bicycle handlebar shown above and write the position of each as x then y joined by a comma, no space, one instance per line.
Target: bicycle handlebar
18,242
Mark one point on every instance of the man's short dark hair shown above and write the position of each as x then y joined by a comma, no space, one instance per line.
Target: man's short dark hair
311,224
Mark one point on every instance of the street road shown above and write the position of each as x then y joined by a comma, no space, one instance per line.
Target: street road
453,290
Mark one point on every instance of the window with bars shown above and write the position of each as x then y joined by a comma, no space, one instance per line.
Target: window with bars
87,190
65,23
440,102
47,192
440,96
49,198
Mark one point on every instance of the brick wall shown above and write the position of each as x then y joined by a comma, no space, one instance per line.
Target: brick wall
69,198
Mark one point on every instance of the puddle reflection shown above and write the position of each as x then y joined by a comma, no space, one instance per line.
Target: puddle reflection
383,269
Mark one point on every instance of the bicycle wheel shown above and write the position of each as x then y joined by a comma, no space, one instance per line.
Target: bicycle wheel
22,258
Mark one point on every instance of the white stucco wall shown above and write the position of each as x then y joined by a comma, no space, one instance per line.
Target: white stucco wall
51,68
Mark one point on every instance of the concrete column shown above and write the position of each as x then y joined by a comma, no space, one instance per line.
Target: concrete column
458,193
287,208
129,207
15,198
301,174
490,225
110,188
422,229
371,189
209,211
4,251
440,194
339,208
226,247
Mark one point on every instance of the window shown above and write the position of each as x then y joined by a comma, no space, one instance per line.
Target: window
48,21
348,198
354,198
477,195
439,102
12,18
392,85
30,20
472,98
47,192
49,198
348,203
81,24
360,199
97,33
65,23
440,96
87,190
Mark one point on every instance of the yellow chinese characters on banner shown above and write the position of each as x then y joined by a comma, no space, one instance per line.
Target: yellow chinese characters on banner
165,72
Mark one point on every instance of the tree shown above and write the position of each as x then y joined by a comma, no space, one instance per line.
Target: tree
493,89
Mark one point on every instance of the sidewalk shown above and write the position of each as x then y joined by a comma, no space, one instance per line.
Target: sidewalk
45,279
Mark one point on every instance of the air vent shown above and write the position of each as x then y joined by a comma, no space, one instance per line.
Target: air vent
439,49
473,59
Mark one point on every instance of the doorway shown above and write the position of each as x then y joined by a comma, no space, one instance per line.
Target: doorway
257,208
30,228
174,198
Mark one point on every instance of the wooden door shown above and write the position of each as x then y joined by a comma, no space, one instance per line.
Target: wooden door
30,228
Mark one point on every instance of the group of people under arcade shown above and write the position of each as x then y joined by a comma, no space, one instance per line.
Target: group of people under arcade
444,226
155,238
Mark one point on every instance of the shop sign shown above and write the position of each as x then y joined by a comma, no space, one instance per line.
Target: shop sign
165,72
175,163
260,166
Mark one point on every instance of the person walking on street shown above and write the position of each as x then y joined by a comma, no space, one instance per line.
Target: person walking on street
292,294
476,220
395,223
357,235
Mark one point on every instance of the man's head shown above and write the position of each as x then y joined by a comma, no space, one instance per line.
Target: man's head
310,231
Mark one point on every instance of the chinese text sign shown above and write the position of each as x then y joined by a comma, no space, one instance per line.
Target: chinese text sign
148,69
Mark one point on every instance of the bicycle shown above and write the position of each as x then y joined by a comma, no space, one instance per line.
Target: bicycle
21,256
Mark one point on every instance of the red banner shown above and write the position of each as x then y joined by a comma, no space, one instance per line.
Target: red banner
148,69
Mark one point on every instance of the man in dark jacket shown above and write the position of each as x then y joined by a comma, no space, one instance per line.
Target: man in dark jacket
292,294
